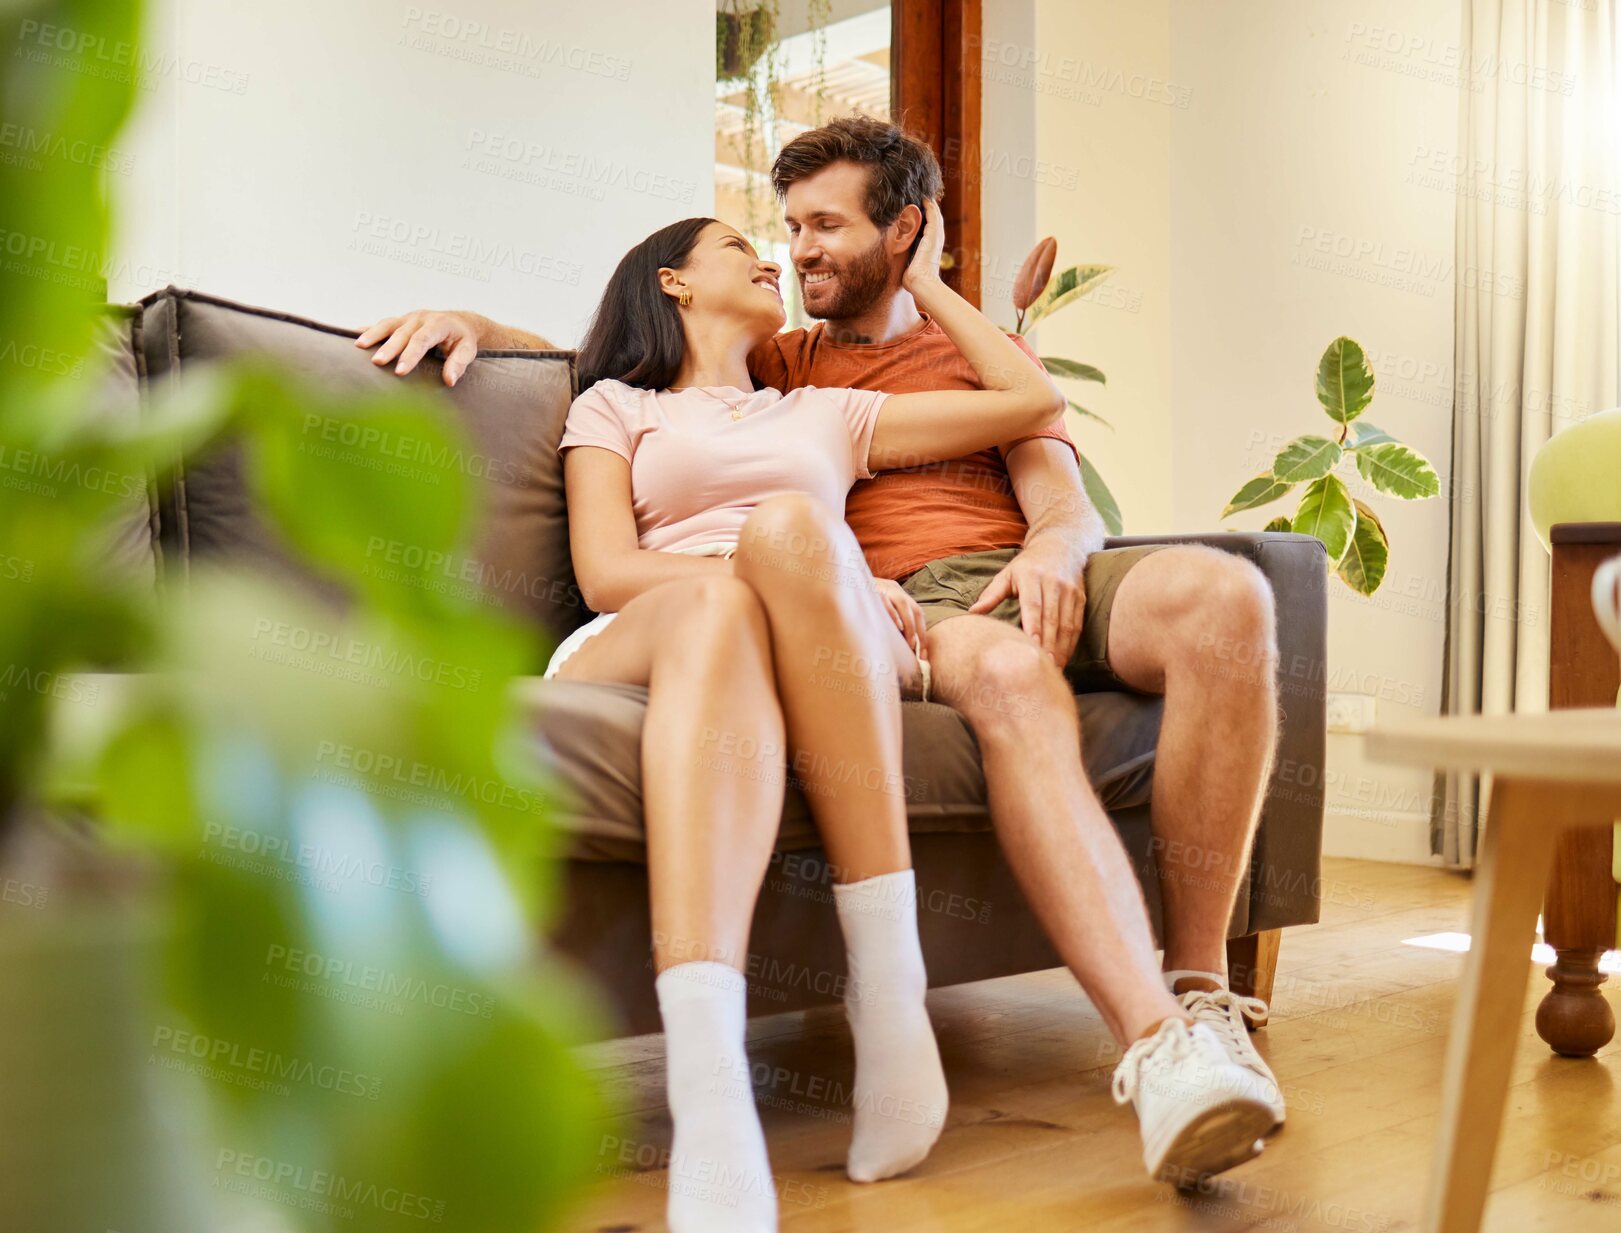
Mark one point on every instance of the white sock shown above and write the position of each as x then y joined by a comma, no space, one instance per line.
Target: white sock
1172,977
719,1176
900,1095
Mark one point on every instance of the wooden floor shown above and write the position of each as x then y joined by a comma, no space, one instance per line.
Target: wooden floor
1034,1142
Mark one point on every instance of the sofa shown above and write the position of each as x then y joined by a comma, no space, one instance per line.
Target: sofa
973,919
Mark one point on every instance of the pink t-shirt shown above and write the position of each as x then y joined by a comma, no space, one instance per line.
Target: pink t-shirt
695,472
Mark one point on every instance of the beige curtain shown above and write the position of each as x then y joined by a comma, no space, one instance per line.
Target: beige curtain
1539,201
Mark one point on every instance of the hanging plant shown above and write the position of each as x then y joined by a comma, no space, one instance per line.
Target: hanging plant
741,38
817,14
746,54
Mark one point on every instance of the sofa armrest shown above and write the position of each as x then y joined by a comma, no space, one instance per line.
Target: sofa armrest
1286,863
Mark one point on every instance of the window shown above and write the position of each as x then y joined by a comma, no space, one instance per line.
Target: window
810,72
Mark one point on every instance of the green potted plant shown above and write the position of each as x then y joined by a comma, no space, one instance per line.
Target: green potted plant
1037,295
742,36
1358,547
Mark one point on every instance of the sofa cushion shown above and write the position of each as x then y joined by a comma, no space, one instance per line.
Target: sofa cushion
593,735
511,406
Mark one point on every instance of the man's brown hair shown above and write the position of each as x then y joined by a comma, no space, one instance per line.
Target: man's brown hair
903,170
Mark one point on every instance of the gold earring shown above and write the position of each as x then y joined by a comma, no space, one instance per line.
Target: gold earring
685,298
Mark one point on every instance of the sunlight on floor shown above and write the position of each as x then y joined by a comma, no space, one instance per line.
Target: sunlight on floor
1541,952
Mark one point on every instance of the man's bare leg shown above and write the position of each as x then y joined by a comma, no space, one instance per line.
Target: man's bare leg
1068,858
1196,624
1058,838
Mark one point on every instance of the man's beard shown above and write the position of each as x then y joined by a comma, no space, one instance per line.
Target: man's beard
860,283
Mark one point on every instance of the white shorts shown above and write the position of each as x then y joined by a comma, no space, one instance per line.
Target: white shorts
601,621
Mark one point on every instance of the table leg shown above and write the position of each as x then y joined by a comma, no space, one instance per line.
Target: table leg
1509,878
1578,921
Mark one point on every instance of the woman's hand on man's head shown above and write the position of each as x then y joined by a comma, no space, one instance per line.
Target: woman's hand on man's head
925,263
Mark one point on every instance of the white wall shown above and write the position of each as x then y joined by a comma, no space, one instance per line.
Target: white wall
1009,166
1098,75
1298,216
1259,173
278,164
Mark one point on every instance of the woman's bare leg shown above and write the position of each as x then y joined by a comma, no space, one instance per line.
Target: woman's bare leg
712,747
837,659
712,787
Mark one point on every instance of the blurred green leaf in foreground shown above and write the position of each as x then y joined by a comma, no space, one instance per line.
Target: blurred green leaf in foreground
270,934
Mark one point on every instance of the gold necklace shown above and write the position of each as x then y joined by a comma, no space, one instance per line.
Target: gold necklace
733,407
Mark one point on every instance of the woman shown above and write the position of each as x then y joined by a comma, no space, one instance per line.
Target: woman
706,525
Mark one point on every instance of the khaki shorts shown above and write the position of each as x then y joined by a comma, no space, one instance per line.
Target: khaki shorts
947,587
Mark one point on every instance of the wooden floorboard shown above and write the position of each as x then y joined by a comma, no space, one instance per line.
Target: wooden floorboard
1035,1143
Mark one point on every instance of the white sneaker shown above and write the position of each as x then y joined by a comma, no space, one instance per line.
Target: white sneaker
1199,1111
1223,1013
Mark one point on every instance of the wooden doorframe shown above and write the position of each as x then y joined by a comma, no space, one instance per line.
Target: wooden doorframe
935,76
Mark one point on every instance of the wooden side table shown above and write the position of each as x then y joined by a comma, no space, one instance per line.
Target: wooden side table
1553,772
1578,912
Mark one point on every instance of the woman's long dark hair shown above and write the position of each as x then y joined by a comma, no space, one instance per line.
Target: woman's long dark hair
636,334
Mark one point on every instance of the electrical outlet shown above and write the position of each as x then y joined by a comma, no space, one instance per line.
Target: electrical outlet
1350,712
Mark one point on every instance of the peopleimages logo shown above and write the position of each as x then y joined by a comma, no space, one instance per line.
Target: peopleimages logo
534,162
392,662
345,974
251,1066
384,769
44,258
1013,64
334,1187
464,253
1419,55
253,847
432,455
1371,260
506,48
95,54
29,142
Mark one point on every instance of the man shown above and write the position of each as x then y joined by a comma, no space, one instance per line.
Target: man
1023,606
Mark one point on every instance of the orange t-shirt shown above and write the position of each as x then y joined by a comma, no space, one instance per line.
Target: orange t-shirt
904,519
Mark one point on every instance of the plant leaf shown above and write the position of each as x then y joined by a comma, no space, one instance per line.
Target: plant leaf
1091,415
1363,565
1072,369
1306,458
339,479
1364,433
1067,286
1327,512
1262,490
1035,273
1280,523
1102,499
1344,381
1399,470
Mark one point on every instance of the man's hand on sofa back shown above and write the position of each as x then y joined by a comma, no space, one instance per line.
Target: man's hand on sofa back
456,335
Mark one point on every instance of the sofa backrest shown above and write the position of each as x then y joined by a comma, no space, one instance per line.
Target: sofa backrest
511,405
